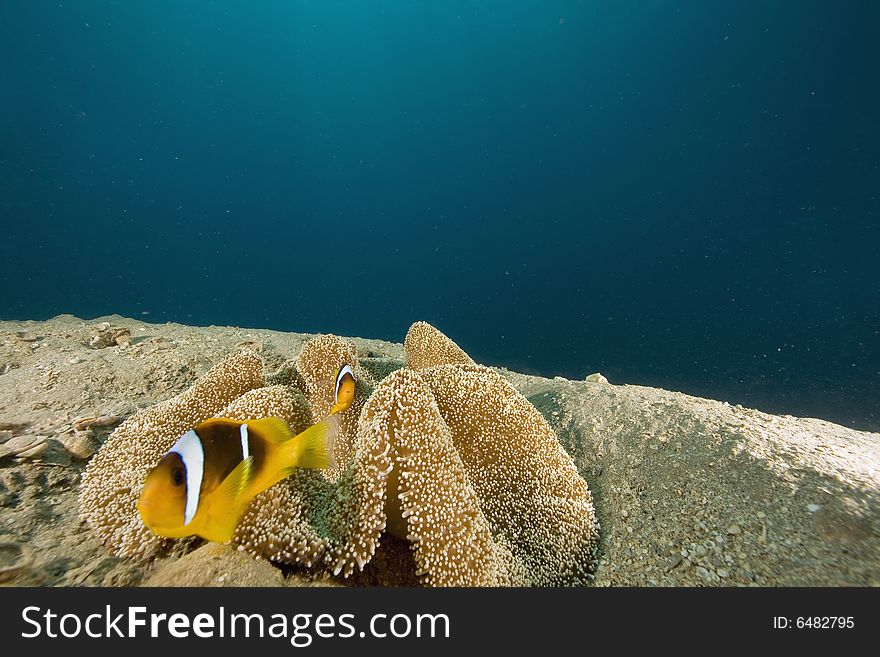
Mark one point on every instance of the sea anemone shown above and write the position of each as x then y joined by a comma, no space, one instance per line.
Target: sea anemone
443,453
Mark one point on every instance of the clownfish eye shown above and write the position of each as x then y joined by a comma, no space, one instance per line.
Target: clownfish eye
177,476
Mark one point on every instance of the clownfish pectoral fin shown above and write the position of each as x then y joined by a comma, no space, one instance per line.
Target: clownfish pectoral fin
273,429
229,492
227,503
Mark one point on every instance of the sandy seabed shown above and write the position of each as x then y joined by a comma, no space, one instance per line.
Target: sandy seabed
688,491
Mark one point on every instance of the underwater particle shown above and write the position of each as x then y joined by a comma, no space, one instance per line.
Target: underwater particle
425,346
112,481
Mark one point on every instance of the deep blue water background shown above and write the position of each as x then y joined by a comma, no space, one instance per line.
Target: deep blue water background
679,194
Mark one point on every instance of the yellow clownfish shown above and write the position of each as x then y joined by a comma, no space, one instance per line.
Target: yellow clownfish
345,387
202,485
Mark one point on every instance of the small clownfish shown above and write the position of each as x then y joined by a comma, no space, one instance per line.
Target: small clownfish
345,388
202,485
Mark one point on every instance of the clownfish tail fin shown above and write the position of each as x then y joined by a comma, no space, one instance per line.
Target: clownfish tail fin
313,448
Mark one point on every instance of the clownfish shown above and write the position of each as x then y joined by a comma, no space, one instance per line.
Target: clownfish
202,485
344,393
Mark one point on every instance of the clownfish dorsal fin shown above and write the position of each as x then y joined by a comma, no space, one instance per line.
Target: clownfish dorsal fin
215,420
226,503
273,429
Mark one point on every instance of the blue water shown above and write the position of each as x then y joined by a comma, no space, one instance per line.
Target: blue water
678,194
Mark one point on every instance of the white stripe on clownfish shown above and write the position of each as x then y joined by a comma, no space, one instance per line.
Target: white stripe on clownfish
192,453
245,450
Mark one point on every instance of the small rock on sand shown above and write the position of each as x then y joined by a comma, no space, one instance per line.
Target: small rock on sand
15,560
215,564
26,446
